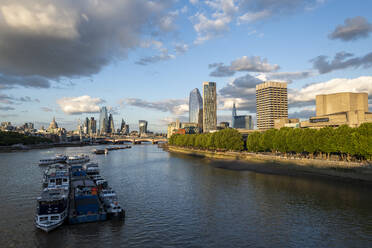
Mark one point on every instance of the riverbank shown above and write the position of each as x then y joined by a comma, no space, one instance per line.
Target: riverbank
270,164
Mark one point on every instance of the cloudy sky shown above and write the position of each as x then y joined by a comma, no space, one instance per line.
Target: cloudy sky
141,58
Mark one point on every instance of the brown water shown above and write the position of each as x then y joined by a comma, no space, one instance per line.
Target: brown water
180,201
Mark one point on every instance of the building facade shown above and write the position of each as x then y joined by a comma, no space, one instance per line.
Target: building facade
241,121
338,109
111,127
271,103
142,127
92,126
196,108
103,121
209,107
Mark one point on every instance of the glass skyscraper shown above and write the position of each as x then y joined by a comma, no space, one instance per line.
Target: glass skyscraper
209,107
241,121
103,120
196,108
142,127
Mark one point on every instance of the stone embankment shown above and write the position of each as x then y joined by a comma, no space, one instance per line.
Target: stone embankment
271,164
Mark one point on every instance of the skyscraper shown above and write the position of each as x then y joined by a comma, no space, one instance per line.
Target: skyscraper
103,120
271,103
92,126
111,127
241,121
86,126
142,127
209,106
196,108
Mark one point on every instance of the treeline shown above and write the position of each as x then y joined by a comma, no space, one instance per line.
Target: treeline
345,142
11,138
226,139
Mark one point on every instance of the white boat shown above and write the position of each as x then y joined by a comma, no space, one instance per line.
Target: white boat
111,203
79,159
59,158
91,169
52,209
56,176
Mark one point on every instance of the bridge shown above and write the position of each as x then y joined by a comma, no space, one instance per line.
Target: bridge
136,140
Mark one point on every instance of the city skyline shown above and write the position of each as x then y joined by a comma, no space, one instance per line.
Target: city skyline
318,47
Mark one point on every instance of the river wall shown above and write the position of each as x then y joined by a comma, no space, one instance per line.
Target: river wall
340,170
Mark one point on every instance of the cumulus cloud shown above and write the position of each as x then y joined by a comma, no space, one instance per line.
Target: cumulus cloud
55,39
353,29
286,76
242,91
341,60
302,114
245,63
163,56
80,105
174,106
308,93
181,48
253,16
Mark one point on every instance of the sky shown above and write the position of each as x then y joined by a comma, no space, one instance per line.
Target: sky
142,58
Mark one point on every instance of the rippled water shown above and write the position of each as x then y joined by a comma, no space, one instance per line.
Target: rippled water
179,201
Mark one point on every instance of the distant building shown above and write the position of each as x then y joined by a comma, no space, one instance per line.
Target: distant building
142,126
209,107
103,121
338,109
241,121
271,103
111,127
196,108
187,128
53,124
92,126
224,125
286,122
6,126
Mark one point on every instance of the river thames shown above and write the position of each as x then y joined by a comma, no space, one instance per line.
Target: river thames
180,201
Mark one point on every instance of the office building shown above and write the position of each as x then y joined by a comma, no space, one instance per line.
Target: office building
196,108
92,126
142,127
182,128
271,103
241,121
338,109
103,121
209,107
111,127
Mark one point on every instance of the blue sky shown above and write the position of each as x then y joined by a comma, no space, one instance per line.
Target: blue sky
142,58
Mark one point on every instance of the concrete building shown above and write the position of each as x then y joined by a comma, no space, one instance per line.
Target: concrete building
338,109
286,122
271,103
209,107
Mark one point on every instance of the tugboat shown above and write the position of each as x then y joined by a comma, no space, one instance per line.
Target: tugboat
52,209
111,204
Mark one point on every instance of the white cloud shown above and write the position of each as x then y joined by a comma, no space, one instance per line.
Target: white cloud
174,106
253,16
79,105
210,28
308,93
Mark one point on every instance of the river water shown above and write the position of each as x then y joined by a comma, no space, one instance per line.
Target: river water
180,201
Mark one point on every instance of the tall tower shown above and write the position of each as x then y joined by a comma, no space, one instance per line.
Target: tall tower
103,120
111,127
209,107
233,116
271,103
196,108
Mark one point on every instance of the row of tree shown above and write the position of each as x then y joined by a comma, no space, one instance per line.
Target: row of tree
343,141
226,139
11,138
